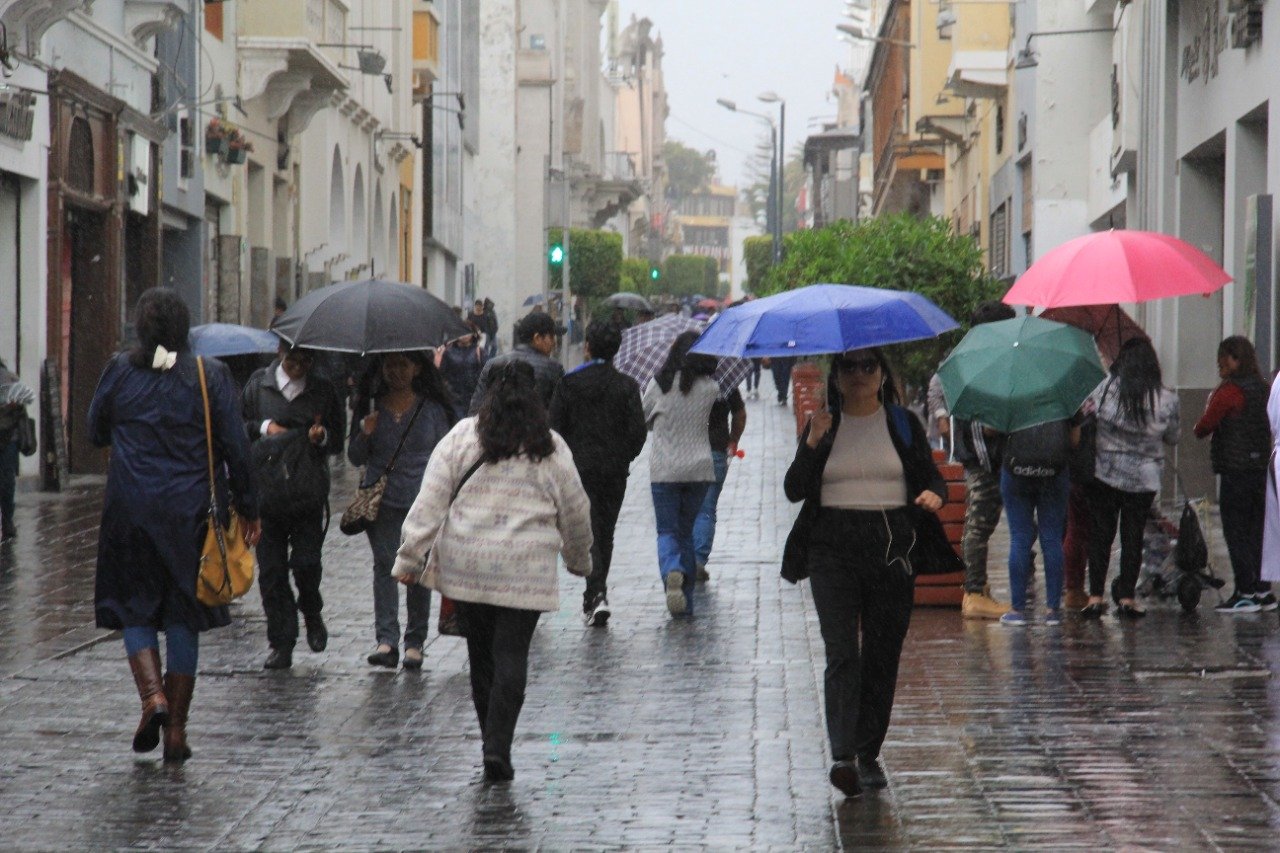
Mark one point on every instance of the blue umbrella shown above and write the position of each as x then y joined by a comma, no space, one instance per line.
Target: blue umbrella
823,318
218,340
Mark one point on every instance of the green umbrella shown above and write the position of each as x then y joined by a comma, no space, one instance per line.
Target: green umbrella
1017,373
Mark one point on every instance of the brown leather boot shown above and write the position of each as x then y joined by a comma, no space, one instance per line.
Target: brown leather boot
179,689
155,708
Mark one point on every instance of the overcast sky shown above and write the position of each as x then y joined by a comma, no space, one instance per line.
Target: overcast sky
737,49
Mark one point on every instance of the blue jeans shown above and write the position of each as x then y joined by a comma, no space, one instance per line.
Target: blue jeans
704,526
384,541
182,646
1031,502
675,507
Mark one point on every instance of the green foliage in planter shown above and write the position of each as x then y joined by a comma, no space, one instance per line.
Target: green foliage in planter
758,252
634,277
595,261
899,252
685,275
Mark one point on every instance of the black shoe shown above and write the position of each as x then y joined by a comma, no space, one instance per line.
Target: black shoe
1128,611
8,533
844,775
317,633
871,774
389,658
1093,611
279,659
498,769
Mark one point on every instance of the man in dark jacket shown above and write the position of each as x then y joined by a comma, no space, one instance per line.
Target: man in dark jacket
597,412
295,420
535,341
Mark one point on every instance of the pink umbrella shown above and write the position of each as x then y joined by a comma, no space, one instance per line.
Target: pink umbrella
1117,266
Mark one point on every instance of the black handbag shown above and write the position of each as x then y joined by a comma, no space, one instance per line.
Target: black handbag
293,476
28,442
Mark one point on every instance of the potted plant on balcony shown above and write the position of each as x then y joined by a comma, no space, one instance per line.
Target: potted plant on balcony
215,137
238,147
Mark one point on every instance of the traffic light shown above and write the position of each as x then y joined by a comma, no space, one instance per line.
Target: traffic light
556,254
654,273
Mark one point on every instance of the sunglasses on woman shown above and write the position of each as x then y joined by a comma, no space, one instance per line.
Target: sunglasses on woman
868,364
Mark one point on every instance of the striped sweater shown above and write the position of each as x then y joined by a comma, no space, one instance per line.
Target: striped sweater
681,451
498,543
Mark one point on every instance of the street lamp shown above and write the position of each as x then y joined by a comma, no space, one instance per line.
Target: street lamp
775,187
774,98
1027,57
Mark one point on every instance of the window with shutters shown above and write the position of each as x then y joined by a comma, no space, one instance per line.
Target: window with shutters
998,258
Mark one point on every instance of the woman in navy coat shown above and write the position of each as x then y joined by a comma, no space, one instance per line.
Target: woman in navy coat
149,410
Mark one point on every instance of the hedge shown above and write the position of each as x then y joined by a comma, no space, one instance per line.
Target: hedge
595,262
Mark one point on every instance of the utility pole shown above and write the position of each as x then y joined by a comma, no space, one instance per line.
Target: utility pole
782,179
562,159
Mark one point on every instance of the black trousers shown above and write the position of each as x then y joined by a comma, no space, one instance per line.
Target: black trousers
1242,497
1109,506
290,544
498,641
863,591
606,494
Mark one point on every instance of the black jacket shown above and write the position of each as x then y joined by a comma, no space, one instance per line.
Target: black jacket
1243,442
546,371
597,412
263,401
803,482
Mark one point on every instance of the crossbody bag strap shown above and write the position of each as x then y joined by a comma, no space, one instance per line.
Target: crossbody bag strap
404,437
208,432
467,476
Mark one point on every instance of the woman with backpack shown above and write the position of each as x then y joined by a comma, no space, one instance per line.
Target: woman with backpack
1240,447
1034,485
870,488
1137,417
411,412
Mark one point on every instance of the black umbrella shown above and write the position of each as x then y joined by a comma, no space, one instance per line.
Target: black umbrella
370,317
629,301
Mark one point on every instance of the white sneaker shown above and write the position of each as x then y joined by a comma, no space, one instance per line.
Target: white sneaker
600,615
675,593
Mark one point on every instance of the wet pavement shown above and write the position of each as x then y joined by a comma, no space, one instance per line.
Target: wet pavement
702,732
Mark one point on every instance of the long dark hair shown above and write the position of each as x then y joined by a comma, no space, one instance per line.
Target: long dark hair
512,420
689,365
429,383
161,319
889,394
1138,370
1241,349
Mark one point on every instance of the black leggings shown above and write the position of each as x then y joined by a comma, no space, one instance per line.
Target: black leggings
1107,507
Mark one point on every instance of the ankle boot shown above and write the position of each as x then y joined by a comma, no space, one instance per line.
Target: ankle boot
179,689
155,708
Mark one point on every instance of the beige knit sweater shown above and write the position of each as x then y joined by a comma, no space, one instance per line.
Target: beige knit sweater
498,543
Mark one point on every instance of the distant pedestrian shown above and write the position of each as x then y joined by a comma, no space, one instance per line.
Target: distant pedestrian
150,411
411,412
781,367
1271,527
499,500
677,409
728,421
1137,418
597,411
753,380
535,341
14,399
295,421
460,363
1240,447
938,425
981,450
866,474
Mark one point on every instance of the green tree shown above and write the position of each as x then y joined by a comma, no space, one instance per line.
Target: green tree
899,252
595,262
686,275
758,252
688,170
636,276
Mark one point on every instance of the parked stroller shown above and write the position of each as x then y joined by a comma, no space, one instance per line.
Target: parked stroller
1175,560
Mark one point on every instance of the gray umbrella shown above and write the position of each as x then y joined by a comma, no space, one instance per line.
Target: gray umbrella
370,317
629,301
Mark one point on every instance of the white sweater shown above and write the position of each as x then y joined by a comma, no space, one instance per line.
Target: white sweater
681,451
502,534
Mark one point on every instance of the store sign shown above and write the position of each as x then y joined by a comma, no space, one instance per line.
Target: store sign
17,113
1206,42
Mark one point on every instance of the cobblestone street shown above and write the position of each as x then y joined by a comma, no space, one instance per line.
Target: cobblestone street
702,732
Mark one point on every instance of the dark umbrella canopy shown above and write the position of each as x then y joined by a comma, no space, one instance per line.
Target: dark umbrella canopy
370,316
629,302
1110,325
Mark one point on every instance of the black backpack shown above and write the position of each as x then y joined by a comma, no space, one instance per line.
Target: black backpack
1039,451
292,475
